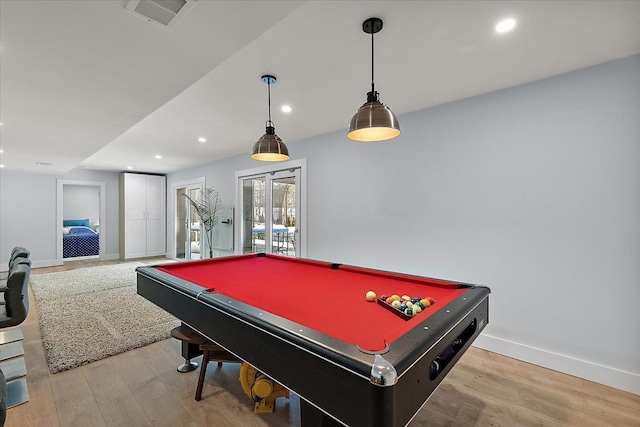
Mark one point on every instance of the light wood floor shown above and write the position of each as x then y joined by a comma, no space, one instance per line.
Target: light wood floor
142,388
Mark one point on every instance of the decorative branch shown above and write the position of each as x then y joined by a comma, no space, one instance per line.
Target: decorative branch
207,207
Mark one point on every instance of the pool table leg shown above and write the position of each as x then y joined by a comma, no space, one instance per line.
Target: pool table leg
190,345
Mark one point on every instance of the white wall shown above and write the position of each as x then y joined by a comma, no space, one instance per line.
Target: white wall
28,213
81,202
533,191
27,216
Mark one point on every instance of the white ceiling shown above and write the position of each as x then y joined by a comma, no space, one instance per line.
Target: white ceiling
86,84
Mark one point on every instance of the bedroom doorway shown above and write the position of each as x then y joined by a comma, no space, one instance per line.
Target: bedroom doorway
80,220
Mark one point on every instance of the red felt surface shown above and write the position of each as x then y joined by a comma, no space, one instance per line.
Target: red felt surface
312,294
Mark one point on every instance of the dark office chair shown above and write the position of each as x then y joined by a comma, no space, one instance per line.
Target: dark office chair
14,262
17,252
3,399
16,298
18,260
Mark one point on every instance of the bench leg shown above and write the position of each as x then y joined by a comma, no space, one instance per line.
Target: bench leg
203,371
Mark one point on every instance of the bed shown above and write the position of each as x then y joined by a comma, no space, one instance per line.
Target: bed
79,241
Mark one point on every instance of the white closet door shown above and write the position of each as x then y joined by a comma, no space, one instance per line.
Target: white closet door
156,224
135,216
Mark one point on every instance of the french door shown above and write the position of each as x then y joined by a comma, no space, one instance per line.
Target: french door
271,212
188,242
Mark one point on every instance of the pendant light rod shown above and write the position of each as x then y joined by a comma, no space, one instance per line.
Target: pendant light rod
372,65
268,79
372,26
269,96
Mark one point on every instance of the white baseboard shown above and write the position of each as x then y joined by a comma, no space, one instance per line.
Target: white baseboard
45,263
35,264
623,380
54,262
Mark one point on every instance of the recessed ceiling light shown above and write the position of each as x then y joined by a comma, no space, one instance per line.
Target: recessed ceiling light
202,139
285,109
1,151
505,25
158,156
129,167
1,166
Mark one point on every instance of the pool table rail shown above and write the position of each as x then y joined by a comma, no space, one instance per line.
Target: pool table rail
329,374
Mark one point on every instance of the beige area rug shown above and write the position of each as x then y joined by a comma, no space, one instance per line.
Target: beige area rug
91,313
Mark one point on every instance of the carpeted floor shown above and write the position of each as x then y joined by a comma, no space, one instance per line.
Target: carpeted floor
92,313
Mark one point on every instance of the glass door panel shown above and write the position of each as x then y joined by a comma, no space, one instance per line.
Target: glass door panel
180,225
284,218
187,224
196,247
253,215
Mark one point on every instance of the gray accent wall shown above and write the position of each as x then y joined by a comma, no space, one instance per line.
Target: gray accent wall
533,191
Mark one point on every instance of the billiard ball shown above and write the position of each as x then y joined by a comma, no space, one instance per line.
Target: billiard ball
406,298
395,303
416,308
395,297
402,307
409,304
389,300
425,302
431,300
409,311
371,296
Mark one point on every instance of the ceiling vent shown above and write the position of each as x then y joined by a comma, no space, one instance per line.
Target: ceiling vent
165,13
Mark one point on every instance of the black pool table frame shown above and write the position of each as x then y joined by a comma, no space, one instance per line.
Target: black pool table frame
332,377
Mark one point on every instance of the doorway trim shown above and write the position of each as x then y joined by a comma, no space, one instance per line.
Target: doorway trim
270,169
171,223
102,240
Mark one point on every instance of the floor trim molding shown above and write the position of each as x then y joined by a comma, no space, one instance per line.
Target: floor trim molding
623,380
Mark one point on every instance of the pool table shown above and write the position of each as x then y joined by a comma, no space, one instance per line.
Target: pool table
308,325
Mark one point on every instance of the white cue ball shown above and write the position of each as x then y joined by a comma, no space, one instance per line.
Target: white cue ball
371,296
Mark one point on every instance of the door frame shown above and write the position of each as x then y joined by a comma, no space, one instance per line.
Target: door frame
102,240
266,170
172,220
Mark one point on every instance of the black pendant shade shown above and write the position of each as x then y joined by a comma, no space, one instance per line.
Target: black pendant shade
269,148
374,121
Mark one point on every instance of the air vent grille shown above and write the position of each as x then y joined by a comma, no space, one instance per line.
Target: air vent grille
166,13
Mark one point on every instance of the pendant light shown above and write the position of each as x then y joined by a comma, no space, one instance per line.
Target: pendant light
269,147
374,121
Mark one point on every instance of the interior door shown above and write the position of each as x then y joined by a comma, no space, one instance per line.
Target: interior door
188,241
270,213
